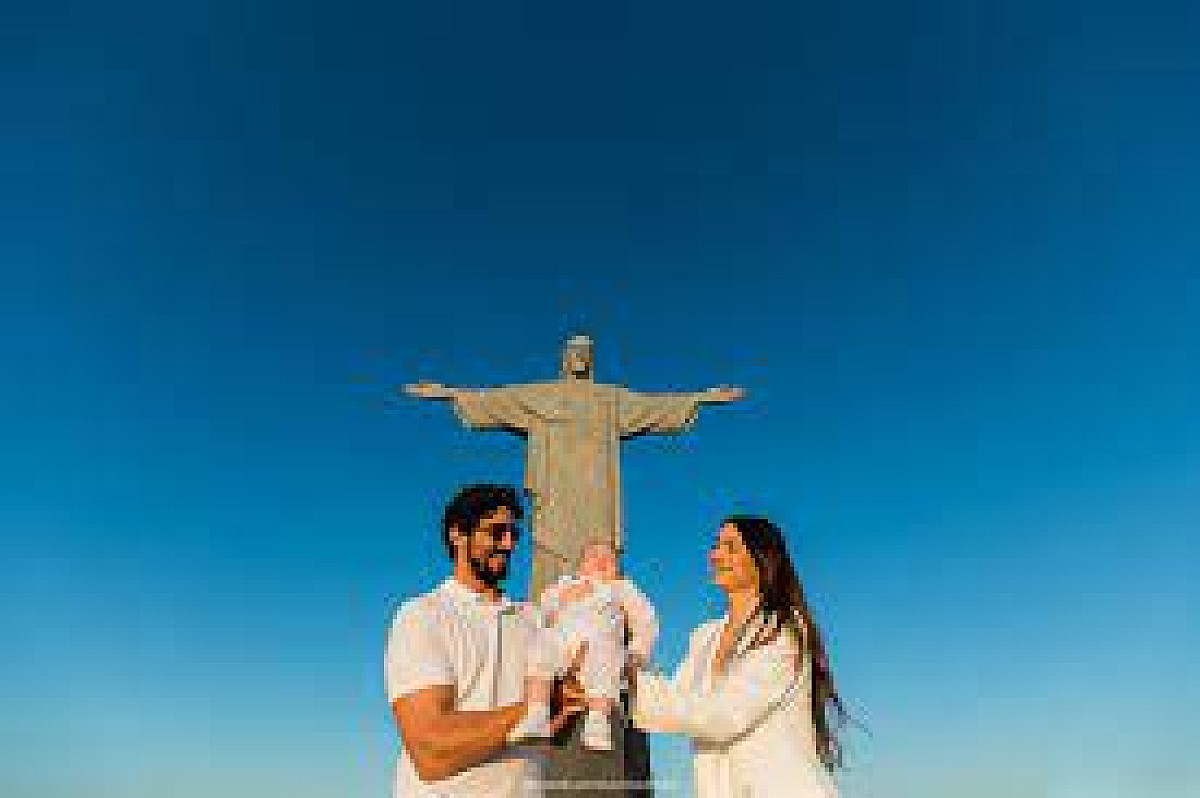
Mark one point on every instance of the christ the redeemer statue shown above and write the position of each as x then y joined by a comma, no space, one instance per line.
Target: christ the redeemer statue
574,427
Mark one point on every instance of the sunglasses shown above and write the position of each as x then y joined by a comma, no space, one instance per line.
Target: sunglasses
498,530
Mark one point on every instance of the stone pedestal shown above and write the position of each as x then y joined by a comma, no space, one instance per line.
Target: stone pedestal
597,774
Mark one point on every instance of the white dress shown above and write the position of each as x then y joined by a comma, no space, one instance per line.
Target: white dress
751,732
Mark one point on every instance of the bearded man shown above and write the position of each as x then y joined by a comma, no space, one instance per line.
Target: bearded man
455,664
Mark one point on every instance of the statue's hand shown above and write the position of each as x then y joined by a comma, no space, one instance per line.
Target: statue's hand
724,393
429,390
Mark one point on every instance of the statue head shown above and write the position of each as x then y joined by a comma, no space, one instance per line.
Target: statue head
577,358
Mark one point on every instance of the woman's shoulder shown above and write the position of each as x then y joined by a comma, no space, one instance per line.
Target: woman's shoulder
707,629
794,631
787,643
711,623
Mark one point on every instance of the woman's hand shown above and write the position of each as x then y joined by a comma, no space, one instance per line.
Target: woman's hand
651,705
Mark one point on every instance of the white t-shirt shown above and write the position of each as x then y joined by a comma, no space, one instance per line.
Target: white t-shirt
453,635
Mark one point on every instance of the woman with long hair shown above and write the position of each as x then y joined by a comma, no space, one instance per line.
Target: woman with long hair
754,693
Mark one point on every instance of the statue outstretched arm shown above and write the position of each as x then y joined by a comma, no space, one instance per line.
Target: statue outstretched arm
487,408
643,413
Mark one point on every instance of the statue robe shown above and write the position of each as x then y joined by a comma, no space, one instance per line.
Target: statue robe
574,429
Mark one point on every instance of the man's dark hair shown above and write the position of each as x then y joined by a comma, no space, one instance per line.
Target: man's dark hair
474,503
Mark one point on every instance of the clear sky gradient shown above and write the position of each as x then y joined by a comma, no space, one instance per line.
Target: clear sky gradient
949,248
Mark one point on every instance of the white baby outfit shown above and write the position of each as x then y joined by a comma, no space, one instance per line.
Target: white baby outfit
597,619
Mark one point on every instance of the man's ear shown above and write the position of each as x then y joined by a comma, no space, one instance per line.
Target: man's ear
456,535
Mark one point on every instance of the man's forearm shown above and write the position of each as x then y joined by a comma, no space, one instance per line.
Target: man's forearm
460,739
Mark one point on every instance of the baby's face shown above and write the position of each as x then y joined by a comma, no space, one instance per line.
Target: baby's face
598,561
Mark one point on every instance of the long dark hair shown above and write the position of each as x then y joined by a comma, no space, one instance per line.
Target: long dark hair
782,604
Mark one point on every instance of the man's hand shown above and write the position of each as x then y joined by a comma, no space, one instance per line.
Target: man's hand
573,699
633,663
723,393
429,390
443,741
632,660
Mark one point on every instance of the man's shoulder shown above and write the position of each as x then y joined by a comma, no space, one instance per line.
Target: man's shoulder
420,605
525,610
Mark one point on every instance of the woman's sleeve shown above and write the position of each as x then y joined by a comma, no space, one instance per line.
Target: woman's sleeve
655,695
757,683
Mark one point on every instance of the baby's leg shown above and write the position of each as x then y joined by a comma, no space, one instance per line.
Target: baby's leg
601,679
564,642
540,660
601,671
542,663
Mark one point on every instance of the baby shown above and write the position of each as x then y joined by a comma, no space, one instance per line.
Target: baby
592,606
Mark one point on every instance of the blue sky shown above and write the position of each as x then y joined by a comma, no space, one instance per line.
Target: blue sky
948,248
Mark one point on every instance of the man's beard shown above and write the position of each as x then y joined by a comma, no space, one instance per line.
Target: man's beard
486,573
